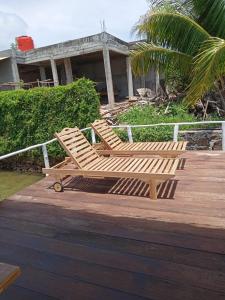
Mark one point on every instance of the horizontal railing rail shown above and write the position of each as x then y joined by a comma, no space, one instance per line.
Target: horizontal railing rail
129,134
176,128
42,145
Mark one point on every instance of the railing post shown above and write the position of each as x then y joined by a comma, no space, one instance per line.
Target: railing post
45,155
93,138
223,136
129,133
175,132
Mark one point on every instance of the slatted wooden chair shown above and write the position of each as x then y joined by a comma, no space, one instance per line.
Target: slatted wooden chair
114,145
86,162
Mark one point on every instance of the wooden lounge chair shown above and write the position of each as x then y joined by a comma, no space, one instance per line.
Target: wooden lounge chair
113,145
8,273
85,161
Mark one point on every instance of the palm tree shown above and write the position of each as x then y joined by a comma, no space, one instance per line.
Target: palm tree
191,42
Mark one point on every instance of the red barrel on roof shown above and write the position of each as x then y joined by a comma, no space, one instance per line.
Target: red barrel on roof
25,43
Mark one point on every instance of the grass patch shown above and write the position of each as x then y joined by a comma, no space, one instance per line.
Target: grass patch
177,112
12,182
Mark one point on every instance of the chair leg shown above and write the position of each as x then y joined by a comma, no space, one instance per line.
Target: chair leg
153,190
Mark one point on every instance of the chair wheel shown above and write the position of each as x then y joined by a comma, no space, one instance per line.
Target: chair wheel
58,187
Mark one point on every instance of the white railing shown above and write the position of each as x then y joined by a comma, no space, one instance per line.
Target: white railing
175,130
44,150
129,134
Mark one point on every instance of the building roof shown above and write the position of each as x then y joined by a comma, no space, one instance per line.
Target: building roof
74,47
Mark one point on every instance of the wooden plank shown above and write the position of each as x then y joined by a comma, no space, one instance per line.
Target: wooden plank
164,165
82,144
106,133
100,257
62,287
114,165
82,240
100,165
103,165
96,163
171,206
194,246
84,156
200,208
115,144
8,273
20,293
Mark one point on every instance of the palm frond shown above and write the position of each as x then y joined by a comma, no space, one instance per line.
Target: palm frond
209,66
146,56
181,6
211,15
172,30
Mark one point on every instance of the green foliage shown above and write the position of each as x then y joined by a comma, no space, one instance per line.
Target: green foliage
155,115
210,15
196,33
183,6
173,30
145,55
33,116
176,80
209,66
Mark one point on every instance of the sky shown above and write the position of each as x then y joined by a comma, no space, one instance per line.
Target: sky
53,21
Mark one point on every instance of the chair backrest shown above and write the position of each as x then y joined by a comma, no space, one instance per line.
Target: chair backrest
77,146
106,134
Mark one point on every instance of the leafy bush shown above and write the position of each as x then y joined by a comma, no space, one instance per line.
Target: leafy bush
33,116
155,115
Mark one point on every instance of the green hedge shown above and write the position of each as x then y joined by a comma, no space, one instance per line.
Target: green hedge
33,116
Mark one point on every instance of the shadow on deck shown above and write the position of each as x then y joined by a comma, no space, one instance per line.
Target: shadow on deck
89,243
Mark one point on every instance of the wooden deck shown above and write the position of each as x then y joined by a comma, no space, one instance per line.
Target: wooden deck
88,243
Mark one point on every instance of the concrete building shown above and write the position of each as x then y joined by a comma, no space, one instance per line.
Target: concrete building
101,57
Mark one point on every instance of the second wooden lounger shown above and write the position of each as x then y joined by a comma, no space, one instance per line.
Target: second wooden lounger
85,161
114,145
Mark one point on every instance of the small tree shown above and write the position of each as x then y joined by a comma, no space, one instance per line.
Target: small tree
187,35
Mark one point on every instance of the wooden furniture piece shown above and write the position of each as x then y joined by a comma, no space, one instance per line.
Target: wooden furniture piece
8,273
114,145
87,162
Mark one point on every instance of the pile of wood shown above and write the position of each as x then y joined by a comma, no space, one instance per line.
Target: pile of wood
212,104
144,97
111,114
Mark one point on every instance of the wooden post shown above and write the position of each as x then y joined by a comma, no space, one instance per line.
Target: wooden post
153,189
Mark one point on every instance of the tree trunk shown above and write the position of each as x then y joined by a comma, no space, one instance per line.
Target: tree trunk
220,87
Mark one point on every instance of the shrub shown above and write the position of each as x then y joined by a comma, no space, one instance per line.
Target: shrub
33,116
177,112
